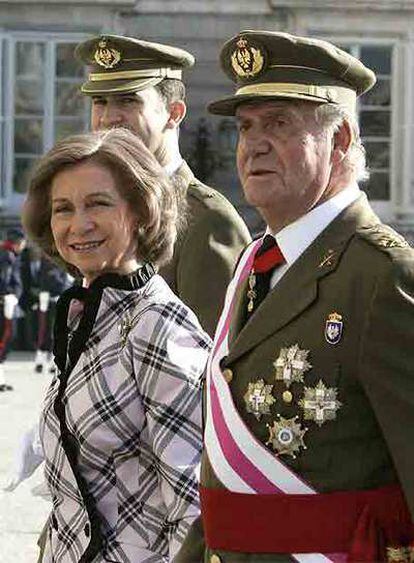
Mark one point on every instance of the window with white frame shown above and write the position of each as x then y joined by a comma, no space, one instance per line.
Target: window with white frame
375,113
39,102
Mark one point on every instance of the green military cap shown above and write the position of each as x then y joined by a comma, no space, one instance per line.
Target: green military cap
272,65
124,64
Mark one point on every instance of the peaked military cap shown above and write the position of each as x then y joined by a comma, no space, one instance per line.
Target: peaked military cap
273,65
120,64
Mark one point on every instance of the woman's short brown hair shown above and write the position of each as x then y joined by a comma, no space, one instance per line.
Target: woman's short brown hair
138,176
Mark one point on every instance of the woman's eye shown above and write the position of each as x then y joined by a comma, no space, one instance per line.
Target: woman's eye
60,209
100,203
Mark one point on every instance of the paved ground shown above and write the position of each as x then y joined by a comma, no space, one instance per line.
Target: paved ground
22,515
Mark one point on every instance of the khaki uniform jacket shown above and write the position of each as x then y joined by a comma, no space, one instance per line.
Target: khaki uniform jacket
363,271
206,252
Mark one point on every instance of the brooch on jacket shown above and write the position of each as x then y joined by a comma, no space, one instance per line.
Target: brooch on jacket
125,327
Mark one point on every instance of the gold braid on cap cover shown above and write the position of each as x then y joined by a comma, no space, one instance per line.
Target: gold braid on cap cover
333,94
144,73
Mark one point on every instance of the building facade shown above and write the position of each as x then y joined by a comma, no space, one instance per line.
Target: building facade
39,99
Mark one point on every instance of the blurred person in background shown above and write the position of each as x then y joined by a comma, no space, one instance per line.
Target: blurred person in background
10,293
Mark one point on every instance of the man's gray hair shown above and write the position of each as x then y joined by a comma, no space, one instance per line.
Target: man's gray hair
332,116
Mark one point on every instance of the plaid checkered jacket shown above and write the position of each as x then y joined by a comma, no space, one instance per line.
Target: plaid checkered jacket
121,425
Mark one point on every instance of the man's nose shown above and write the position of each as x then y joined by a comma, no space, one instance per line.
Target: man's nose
111,116
257,143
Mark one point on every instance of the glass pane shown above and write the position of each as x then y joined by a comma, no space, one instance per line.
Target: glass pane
28,97
377,58
227,136
378,155
22,169
375,123
69,101
2,186
66,64
380,95
30,59
72,127
378,186
28,136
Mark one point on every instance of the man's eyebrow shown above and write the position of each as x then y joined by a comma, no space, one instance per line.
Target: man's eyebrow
100,194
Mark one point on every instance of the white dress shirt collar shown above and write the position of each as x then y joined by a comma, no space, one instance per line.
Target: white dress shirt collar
295,238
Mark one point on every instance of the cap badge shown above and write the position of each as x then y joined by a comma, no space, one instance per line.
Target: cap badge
291,365
320,403
259,398
106,56
333,328
286,436
246,60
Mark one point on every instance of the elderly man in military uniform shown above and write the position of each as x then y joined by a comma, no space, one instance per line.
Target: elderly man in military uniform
309,449
138,84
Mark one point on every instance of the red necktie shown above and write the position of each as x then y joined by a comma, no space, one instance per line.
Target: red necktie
267,258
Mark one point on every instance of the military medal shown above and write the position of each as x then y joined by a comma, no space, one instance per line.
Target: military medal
259,398
291,365
320,403
333,328
399,554
106,56
286,436
251,292
246,60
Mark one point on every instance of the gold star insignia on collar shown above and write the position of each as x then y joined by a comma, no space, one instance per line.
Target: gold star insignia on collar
327,260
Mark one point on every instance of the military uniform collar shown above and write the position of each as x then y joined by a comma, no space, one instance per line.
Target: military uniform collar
295,238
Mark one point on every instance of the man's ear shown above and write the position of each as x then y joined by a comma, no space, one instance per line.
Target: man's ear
177,111
342,140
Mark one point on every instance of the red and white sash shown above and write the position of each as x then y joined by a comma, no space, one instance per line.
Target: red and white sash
238,459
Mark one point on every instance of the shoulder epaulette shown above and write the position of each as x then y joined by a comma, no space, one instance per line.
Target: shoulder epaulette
383,237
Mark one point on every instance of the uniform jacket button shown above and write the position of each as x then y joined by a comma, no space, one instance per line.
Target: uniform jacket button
87,530
228,374
215,559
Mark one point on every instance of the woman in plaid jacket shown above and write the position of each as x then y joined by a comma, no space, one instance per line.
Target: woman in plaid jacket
121,424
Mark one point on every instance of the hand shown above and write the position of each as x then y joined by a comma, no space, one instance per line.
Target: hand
28,457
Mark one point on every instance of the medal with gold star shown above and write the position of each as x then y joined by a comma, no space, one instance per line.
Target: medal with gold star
286,436
291,365
320,403
259,398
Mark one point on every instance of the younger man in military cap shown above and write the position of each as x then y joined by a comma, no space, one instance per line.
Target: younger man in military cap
138,85
309,450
